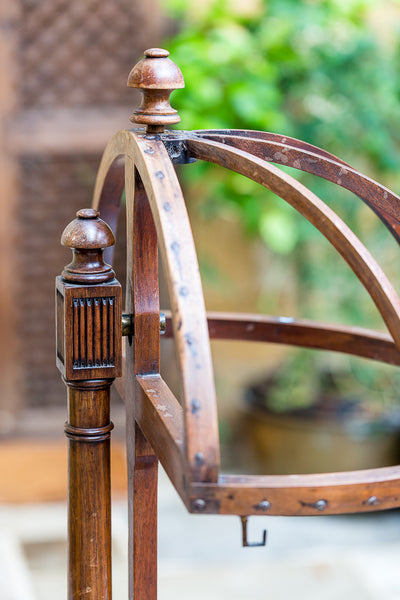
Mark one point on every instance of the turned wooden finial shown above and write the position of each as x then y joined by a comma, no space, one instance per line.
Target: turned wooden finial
87,236
156,76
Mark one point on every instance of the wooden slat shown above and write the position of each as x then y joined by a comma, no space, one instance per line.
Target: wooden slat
308,334
283,141
161,418
325,493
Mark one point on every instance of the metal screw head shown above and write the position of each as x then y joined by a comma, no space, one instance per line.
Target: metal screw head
264,505
128,324
320,504
199,459
163,323
372,501
198,505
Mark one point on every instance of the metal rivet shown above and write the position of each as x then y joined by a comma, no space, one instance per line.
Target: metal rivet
199,504
320,504
372,501
195,406
163,323
264,505
199,459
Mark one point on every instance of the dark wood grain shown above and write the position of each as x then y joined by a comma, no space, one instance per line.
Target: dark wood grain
89,490
145,485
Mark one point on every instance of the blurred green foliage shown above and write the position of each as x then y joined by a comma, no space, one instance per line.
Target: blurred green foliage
316,70
324,71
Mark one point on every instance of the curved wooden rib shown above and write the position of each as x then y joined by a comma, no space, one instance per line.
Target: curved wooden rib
283,140
151,160
307,334
305,157
321,216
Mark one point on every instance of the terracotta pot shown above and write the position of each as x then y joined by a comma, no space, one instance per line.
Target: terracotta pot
291,443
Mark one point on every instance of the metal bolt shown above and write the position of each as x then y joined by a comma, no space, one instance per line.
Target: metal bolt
372,501
128,324
320,504
163,324
264,505
199,504
199,459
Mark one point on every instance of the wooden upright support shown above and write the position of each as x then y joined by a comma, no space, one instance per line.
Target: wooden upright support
88,301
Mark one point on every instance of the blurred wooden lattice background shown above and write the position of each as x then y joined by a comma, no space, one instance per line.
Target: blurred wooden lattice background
63,71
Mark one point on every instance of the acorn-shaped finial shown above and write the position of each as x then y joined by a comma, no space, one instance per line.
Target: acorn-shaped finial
156,76
87,236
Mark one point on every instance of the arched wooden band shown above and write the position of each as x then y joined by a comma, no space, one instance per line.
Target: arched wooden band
151,160
112,193
310,159
305,157
311,334
319,214
97,434
265,136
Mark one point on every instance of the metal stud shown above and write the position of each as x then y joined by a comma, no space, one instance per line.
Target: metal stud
372,501
320,505
199,505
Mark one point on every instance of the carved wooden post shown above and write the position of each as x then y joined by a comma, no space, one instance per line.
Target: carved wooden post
88,301
156,76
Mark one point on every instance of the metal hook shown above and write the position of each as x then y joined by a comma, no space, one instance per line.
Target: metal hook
245,542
